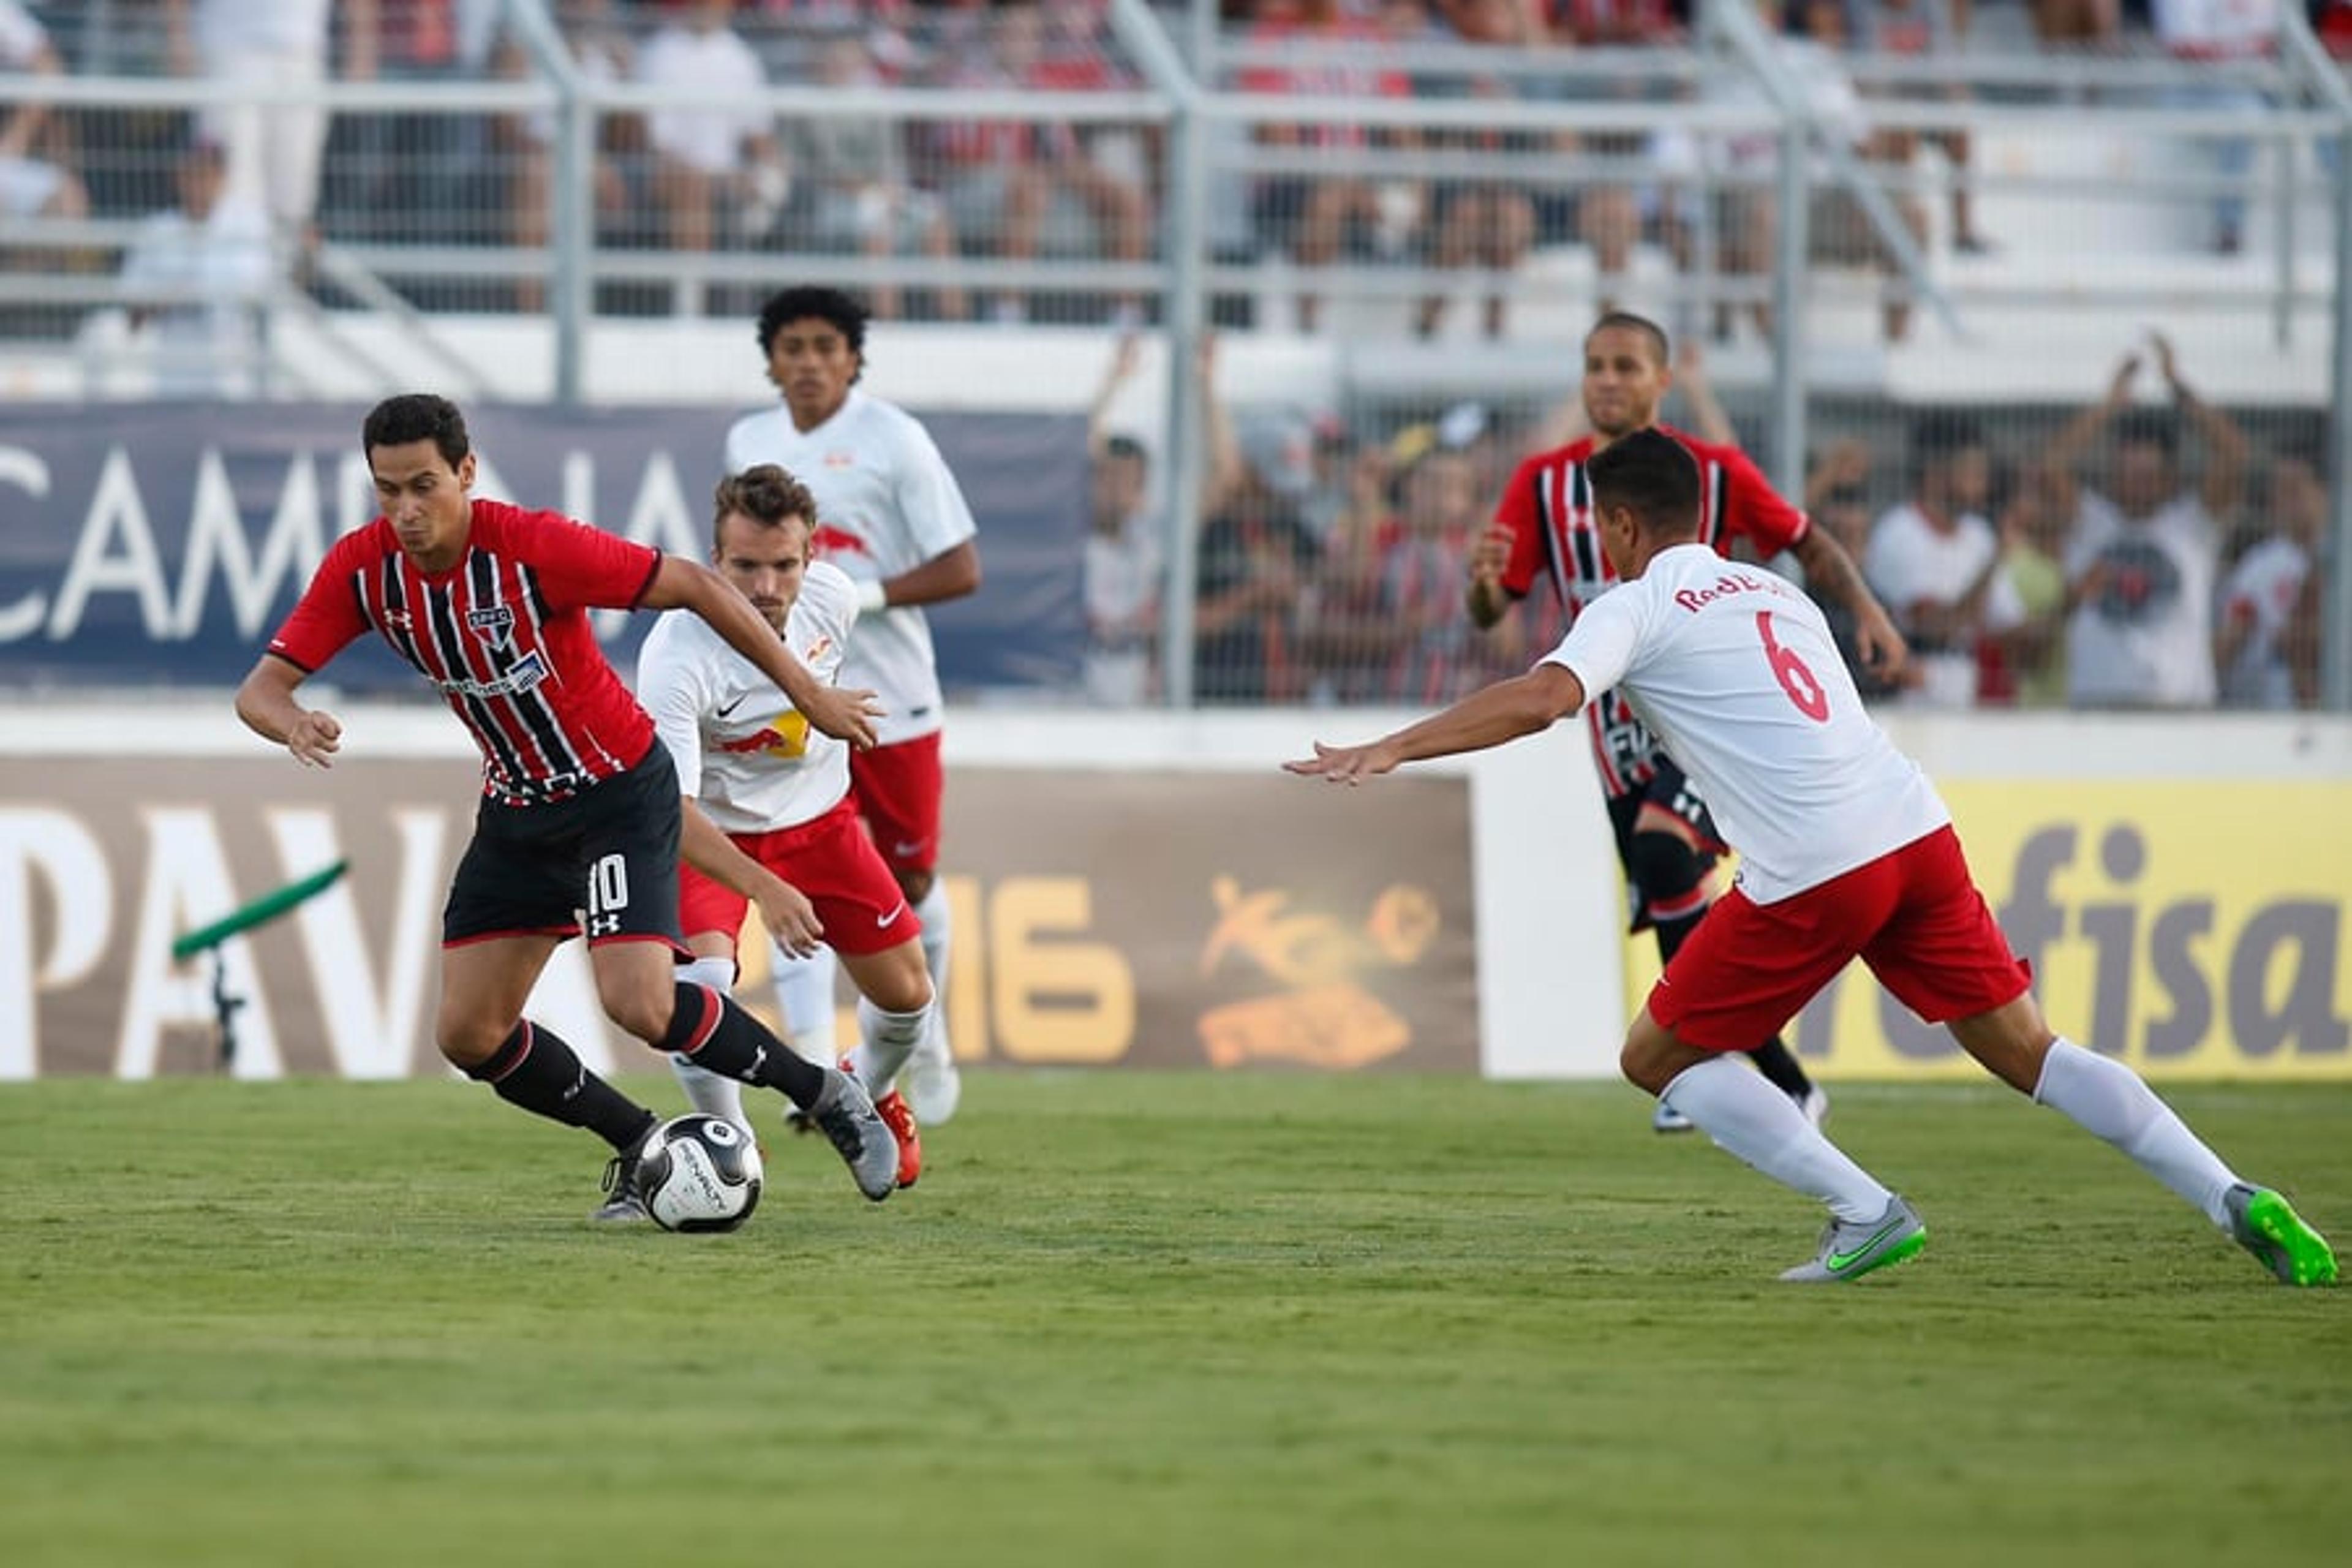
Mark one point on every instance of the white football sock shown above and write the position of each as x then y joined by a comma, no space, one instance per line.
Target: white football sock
805,996
1749,1119
888,1040
713,1094
2108,1100
937,928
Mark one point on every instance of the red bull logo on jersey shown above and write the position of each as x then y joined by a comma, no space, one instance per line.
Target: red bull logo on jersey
1730,582
828,540
786,737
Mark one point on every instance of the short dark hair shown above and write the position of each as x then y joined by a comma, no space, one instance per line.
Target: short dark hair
764,493
2149,428
846,311
1627,320
1126,446
417,416
1652,474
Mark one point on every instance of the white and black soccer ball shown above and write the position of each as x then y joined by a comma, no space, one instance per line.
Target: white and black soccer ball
700,1173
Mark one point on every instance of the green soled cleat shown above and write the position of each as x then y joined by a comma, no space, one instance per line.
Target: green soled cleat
1849,1250
2266,1225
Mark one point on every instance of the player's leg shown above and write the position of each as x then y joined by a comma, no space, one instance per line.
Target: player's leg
511,903
628,829
1946,958
805,987
1744,972
711,916
899,788
1669,857
894,1017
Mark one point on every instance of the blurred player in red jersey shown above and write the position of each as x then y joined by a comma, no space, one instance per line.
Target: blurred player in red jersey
1545,528
1847,851
891,516
580,809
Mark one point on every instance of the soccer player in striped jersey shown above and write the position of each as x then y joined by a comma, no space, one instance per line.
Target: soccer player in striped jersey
1546,531
580,808
1847,851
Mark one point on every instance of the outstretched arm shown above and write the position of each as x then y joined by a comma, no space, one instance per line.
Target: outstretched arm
2074,437
1487,718
2225,443
688,584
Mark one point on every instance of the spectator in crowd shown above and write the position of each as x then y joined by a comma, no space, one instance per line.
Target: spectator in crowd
850,189
273,149
1489,225
2208,33
708,160
1123,562
1837,499
1255,557
1435,652
1936,29
992,173
1315,217
31,185
196,277
2078,24
2267,649
2141,564
2025,663
1936,562
413,175
603,54
1106,169
1611,216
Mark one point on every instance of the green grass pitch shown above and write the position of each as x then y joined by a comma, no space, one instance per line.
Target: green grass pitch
1138,1320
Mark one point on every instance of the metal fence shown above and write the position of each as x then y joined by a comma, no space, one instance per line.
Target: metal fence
1813,200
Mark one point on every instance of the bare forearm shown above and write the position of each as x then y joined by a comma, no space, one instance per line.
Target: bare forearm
706,846
1830,572
266,704
943,577
1501,712
1488,603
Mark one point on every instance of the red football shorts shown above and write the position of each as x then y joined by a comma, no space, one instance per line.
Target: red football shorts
830,859
899,788
1913,915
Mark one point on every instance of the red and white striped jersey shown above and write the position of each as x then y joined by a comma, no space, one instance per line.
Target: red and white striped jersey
503,636
1548,510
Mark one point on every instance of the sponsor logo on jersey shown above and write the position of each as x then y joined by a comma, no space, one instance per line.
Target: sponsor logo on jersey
762,739
827,539
529,671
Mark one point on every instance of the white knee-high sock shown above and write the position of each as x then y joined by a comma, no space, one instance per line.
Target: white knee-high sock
887,1039
804,995
1749,1119
2108,1100
711,1093
938,930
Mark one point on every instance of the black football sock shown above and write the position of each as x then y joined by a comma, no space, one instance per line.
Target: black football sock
535,1070
1778,1063
711,1032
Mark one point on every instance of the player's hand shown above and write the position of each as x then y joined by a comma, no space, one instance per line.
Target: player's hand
2119,391
847,715
2165,364
1882,647
315,739
1489,556
790,918
1345,764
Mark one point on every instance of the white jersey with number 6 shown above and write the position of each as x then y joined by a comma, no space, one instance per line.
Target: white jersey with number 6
1735,670
741,748
885,503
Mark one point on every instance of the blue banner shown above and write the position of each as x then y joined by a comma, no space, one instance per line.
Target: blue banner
160,545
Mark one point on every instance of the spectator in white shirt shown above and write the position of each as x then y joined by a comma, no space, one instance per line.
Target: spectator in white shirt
2267,649
273,150
30,186
705,158
1936,562
198,277
2140,569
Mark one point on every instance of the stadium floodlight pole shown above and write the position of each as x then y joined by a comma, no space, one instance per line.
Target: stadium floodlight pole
1183,240
568,193
213,937
2318,71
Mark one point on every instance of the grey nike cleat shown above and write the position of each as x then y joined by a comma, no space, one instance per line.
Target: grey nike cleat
845,1113
1849,1250
624,1204
2266,1225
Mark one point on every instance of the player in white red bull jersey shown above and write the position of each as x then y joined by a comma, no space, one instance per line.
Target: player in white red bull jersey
892,517
768,817
1847,852
1545,532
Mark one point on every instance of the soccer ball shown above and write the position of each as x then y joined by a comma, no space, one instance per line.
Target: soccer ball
700,1173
